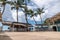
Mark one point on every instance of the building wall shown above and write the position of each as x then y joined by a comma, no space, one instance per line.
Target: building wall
31,28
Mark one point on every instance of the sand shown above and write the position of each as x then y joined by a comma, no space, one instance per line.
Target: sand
30,36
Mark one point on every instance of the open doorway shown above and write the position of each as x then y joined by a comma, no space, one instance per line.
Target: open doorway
54,28
20,28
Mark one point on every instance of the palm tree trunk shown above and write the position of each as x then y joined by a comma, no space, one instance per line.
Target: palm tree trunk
17,17
26,14
3,9
17,14
34,20
41,21
2,14
26,21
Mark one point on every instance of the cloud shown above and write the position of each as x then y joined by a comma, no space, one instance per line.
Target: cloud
41,3
11,15
21,16
7,15
54,8
51,8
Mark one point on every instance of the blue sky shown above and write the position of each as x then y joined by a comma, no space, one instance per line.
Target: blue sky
52,7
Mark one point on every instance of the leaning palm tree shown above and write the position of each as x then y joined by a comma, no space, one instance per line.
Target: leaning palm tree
19,4
26,11
26,15
32,14
16,4
39,12
3,4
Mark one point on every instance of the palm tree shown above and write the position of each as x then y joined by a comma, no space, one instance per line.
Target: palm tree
17,8
17,4
32,14
26,11
3,4
39,12
26,15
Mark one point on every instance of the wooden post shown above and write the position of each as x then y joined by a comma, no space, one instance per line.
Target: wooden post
12,28
57,28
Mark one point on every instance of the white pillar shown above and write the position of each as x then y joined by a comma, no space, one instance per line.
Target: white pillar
57,28
2,28
13,28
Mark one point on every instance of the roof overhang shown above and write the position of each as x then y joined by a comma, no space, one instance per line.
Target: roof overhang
6,23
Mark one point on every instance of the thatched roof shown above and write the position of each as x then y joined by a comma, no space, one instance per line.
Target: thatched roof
22,24
6,23
54,18
15,23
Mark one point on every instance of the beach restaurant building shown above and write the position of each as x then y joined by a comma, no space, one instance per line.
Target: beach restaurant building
54,22
17,26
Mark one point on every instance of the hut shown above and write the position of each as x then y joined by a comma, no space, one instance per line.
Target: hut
17,26
55,19
54,22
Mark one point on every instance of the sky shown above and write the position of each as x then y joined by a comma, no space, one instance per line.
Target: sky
51,8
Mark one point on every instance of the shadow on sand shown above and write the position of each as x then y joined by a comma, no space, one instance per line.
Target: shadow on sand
5,37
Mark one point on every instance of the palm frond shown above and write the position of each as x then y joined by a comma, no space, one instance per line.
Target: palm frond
40,10
3,2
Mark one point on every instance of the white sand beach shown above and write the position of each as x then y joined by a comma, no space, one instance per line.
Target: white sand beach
30,36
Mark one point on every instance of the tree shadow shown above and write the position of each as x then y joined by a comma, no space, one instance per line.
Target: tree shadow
5,37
